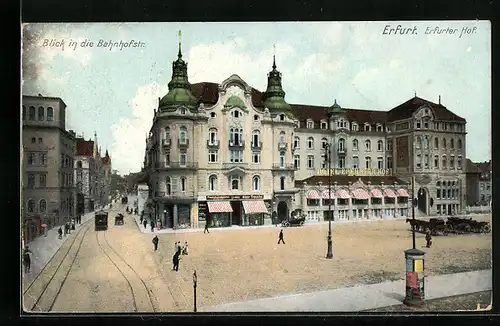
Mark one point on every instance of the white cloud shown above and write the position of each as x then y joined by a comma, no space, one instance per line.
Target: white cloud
129,134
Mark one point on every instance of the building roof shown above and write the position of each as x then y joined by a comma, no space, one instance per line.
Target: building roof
39,97
484,167
84,147
406,110
106,159
470,167
345,179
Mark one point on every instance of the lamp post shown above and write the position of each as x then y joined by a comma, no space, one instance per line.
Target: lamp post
327,148
195,283
413,203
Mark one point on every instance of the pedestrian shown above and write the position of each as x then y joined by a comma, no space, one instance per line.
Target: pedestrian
27,260
176,260
281,237
428,239
145,223
175,246
155,242
141,219
60,232
179,246
206,227
185,249
152,226
65,229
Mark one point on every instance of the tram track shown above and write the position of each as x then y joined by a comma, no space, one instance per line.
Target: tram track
40,296
135,282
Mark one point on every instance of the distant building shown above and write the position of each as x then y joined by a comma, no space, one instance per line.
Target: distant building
485,184
86,176
48,194
472,175
106,179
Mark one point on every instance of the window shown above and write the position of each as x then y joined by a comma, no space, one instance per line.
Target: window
452,162
168,185
368,145
31,206
212,157
236,136
256,183
282,137
310,124
380,145
323,162
418,124
212,183
426,161
324,143
355,162
41,113
355,145
367,127
379,128
426,124
443,162
324,125
296,142
342,162
31,158
79,175
444,143
40,140
256,138
32,113
183,158
452,143
79,164
43,181
436,143
43,158
459,162
50,114
282,183
24,112
166,133
296,161
183,184
235,183
236,114
31,180
368,162
418,143
236,156
282,117
426,142
43,206
389,145
380,163
310,161
354,126
459,144
389,162
255,118
310,143
436,161
212,115
256,157
212,136
341,145
282,159
167,158
33,140
183,135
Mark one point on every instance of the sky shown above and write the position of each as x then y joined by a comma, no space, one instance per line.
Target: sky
114,91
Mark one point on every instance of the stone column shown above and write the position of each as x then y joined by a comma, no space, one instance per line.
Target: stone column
175,216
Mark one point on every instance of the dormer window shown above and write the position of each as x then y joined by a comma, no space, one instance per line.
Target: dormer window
324,125
418,124
235,114
212,115
354,126
183,111
297,124
379,128
367,127
282,117
310,124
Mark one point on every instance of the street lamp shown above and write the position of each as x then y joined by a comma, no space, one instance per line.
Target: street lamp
327,148
195,281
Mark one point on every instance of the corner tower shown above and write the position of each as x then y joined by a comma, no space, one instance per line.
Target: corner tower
274,97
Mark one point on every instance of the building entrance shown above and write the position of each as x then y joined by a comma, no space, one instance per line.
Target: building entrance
237,212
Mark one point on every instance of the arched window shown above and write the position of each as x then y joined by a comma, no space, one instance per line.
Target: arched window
212,183
24,112
212,134
31,206
183,184
32,113
183,111
256,138
379,128
355,145
341,145
166,133
367,127
443,162
168,183
380,145
419,142
452,143
235,183
282,159
355,162
212,115
282,183
438,184
255,117
436,161
296,142
183,135
43,206
324,141
459,144
41,113
444,142
368,145
50,114
368,162
282,137
436,143
310,143
282,117
452,162
256,183
354,126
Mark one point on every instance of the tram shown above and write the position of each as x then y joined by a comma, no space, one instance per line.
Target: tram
101,220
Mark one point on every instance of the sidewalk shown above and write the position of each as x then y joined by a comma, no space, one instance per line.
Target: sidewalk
44,248
363,297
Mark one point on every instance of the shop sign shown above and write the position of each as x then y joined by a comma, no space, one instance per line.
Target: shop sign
234,197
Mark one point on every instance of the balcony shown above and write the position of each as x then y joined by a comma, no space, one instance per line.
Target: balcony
176,165
213,144
166,143
282,146
284,167
257,146
236,145
233,165
183,144
175,195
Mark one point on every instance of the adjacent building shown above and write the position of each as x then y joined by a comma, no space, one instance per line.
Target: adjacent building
472,175
230,154
48,193
485,178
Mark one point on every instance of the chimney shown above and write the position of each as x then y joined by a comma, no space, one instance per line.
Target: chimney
439,99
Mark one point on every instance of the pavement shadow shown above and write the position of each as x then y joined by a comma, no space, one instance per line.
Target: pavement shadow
395,296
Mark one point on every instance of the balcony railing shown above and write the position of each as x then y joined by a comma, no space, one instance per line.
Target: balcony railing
282,146
257,146
231,165
183,143
239,145
176,165
166,142
278,166
176,194
214,144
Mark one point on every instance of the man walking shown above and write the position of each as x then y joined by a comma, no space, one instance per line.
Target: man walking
152,226
176,260
206,227
155,242
428,239
27,260
281,237
145,223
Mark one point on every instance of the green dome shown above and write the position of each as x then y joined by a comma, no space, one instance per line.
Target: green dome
235,101
335,109
274,97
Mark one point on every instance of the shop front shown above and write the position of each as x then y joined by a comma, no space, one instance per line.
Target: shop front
228,210
254,212
176,215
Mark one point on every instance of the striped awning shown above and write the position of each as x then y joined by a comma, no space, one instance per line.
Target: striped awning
313,194
360,194
326,194
389,193
403,193
219,207
254,207
376,193
343,194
